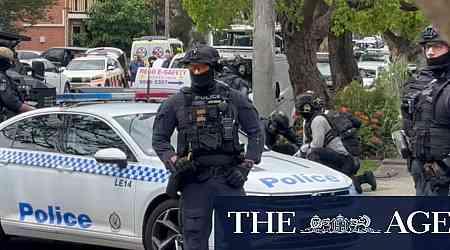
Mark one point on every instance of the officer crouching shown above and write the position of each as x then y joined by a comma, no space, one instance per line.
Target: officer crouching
9,99
426,113
209,161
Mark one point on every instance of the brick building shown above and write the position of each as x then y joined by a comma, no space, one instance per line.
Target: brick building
65,19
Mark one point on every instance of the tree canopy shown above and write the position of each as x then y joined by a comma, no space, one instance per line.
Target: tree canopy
29,11
115,23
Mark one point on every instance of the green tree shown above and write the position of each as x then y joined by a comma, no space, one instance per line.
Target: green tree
29,11
115,23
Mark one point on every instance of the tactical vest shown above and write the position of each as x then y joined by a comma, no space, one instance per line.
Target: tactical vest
440,126
210,127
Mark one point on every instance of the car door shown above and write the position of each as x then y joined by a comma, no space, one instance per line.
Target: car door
99,189
53,78
29,173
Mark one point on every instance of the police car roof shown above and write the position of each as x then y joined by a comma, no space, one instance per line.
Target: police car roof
106,109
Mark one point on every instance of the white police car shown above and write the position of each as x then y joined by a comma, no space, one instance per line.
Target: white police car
59,181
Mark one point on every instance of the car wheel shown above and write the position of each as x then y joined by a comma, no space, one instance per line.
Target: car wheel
162,230
67,88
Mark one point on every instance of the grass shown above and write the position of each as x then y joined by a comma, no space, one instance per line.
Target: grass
368,165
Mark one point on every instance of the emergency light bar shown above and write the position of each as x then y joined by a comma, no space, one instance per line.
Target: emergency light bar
94,97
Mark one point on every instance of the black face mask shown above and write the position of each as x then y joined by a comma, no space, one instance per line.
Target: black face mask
307,116
203,82
4,64
438,61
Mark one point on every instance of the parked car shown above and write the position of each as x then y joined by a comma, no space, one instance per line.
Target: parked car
119,54
90,174
61,56
53,76
25,55
94,71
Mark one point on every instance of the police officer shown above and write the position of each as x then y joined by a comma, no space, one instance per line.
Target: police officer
232,75
8,97
426,112
323,144
278,124
207,117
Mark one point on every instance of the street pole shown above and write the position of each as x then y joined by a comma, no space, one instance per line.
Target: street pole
167,18
263,39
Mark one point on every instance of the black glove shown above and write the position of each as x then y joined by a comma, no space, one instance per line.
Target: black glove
238,175
182,165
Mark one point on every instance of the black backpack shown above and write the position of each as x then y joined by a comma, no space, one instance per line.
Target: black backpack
346,126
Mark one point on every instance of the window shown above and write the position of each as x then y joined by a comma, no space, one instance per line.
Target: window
54,54
85,135
87,65
50,67
39,133
7,136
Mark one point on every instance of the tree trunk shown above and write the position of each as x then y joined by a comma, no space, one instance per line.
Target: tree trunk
401,47
303,72
344,68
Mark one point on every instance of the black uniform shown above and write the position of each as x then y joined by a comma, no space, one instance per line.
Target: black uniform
207,117
8,97
278,124
426,110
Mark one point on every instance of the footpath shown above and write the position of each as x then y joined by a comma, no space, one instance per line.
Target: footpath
393,179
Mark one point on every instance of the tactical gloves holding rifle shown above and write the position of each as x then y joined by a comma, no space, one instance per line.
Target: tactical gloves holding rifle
238,175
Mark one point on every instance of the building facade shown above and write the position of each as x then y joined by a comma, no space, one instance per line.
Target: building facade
65,20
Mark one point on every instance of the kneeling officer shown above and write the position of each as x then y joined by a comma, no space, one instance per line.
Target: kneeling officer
209,157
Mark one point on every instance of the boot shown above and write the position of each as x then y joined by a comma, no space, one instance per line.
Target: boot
357,184
371,180
368,178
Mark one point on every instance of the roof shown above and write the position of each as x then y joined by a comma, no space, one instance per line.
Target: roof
105,109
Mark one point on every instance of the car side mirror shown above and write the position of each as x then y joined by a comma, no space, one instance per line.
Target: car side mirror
112,156
38,70
61,69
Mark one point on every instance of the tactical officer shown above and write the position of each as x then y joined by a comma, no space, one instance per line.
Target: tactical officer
8,97
209,155
278,124
232,74
323,143
426,112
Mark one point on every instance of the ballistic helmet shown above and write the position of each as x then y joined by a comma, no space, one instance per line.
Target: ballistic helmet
430,35
202,54
279,120
308,103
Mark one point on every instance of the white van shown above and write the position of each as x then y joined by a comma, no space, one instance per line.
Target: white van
149,46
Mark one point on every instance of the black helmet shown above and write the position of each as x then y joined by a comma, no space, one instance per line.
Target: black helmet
202,54
308,103
430,34
279,120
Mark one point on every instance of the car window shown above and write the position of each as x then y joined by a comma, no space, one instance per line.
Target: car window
7,136
139,127
49,67
39,133
54,54
85,135
26,55
86,65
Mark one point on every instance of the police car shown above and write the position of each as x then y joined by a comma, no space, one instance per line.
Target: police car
88,174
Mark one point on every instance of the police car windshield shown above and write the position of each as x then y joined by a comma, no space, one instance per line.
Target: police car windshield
139,127
86,65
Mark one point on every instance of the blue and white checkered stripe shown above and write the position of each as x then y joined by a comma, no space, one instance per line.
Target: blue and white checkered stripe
83,165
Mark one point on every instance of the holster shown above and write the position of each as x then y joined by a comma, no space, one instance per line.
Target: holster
436,173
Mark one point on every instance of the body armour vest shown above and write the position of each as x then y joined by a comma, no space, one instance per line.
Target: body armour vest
430,140
210,126
440,124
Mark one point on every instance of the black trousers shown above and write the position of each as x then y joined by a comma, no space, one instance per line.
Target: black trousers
197,208
340,162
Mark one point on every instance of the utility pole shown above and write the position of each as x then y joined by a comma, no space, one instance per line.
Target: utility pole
167,18
263,39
